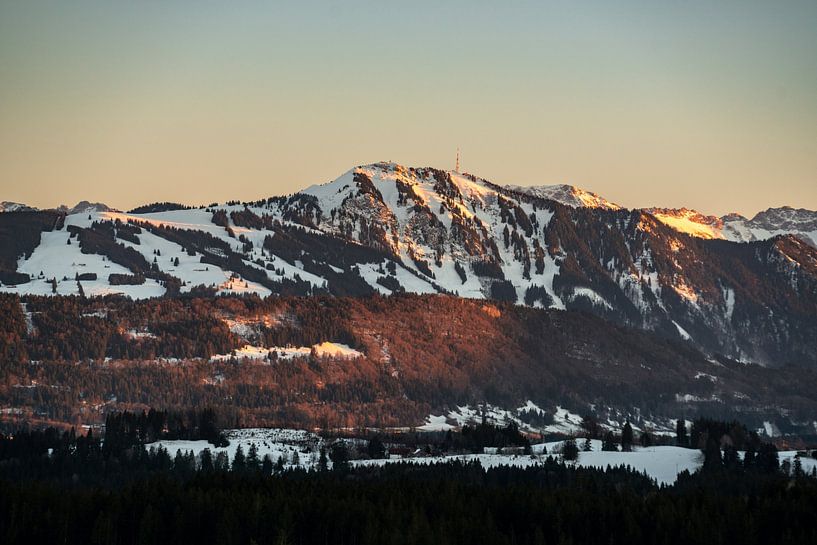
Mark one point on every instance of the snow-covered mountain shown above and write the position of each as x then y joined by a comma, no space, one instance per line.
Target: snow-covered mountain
80,207
85,207
566,194
765,225
8,206
388,228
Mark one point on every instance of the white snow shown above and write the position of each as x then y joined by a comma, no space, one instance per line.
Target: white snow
564,422
30,329
682,332
328,349
269,441
139,334
435,423
689,222
594,297
56,259
770,429
729,300
662,463
322,350
246,352
690,398
568,195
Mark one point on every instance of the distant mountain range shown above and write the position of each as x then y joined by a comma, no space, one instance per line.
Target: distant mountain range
80,207
744,288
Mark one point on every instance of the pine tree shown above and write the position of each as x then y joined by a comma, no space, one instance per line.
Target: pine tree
339,456
627,437
266,465
590,425
749,457
207,461
375,448
222,462
253,462
681,433
731,460
798,467
239,460
609,443
570,451
767,460
712,454
785,467
587,446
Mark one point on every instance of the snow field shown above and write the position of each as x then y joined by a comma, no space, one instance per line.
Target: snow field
662,463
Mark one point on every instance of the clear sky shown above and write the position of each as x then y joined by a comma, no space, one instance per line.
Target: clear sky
711,105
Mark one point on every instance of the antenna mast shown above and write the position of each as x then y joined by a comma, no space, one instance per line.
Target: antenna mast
457,169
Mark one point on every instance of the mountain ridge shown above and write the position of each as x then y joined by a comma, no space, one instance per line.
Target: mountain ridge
775,220
385,228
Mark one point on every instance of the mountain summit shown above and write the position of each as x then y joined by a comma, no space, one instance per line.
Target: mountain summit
568,195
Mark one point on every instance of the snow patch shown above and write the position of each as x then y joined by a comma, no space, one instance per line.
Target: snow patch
435,423
682,332
322,350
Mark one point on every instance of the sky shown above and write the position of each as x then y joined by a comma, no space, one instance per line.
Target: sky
706,105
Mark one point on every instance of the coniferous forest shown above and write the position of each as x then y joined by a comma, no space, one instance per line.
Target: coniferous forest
71,360
64,487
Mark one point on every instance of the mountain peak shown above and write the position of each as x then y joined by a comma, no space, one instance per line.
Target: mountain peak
568,195
85,206
787,217
387,228
9,206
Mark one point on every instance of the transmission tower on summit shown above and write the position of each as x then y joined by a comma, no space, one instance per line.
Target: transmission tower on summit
457,168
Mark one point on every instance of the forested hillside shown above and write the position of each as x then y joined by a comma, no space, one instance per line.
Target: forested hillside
378,361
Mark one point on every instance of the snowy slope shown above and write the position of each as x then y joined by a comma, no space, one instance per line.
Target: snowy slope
662,463
734,227
568,195
445,219
55,259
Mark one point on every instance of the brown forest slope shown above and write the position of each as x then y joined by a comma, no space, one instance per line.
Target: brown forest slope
79,358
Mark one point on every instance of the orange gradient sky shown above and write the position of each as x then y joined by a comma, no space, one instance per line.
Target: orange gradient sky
708,105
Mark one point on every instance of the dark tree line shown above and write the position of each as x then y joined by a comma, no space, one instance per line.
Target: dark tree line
475,438
77,494
124,430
